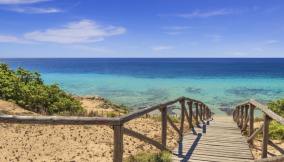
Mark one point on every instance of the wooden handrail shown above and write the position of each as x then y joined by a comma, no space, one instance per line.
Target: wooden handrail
242,118
264,109
54,120
118,122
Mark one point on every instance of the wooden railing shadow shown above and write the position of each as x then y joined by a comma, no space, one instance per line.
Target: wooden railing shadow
190,151
243,115
202,113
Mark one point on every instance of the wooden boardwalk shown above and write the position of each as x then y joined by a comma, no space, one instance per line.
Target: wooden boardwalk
220,141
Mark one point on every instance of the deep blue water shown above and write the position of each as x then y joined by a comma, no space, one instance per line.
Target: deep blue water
153,68
140,82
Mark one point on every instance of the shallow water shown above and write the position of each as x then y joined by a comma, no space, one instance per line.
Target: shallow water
140,82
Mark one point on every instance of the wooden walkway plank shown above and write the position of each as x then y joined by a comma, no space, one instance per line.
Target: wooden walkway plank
220,141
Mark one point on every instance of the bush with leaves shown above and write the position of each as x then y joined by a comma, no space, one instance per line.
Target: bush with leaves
277,107
27,89
150,157
276,130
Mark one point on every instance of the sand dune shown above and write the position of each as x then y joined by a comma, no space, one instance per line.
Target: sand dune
22,142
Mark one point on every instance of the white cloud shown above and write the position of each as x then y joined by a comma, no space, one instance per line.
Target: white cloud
13,2
11,39
34,10
206,14
175,30
84,31
162,48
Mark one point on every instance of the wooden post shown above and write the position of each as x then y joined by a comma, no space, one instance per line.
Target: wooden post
196,113
164,126
251,121
182,104
190,113
242,117
207,113
245,118
238,115
201,112
234,115
118,143
265,136
204,112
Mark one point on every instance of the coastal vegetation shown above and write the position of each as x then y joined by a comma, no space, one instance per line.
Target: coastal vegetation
28,90
276,130
163,156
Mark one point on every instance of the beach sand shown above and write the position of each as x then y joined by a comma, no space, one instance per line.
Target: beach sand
256,149
26,142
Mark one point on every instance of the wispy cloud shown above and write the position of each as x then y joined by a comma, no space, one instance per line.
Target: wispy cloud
14,2
11,39
22,6
206,14
162,48
34,10
83,31
175,30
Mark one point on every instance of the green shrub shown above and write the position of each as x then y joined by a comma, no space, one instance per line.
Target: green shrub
111,114
276,130
28,90
150,157
277,107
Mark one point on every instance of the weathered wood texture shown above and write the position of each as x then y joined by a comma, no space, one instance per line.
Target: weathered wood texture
265,138
54,120
182,115
265,110
118,143
164,126
190,114
251,122
221,141
196,113
118,122
250,138
144,138
241,117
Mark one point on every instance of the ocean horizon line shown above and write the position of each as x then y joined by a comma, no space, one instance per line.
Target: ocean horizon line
141,57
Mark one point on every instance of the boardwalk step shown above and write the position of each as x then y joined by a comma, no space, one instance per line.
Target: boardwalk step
220,141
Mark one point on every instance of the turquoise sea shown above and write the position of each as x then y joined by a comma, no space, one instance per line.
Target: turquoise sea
142,82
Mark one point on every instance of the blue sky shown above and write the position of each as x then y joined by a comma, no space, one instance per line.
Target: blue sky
141,28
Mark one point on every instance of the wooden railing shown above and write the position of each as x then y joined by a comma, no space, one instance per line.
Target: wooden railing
202,113
244,116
